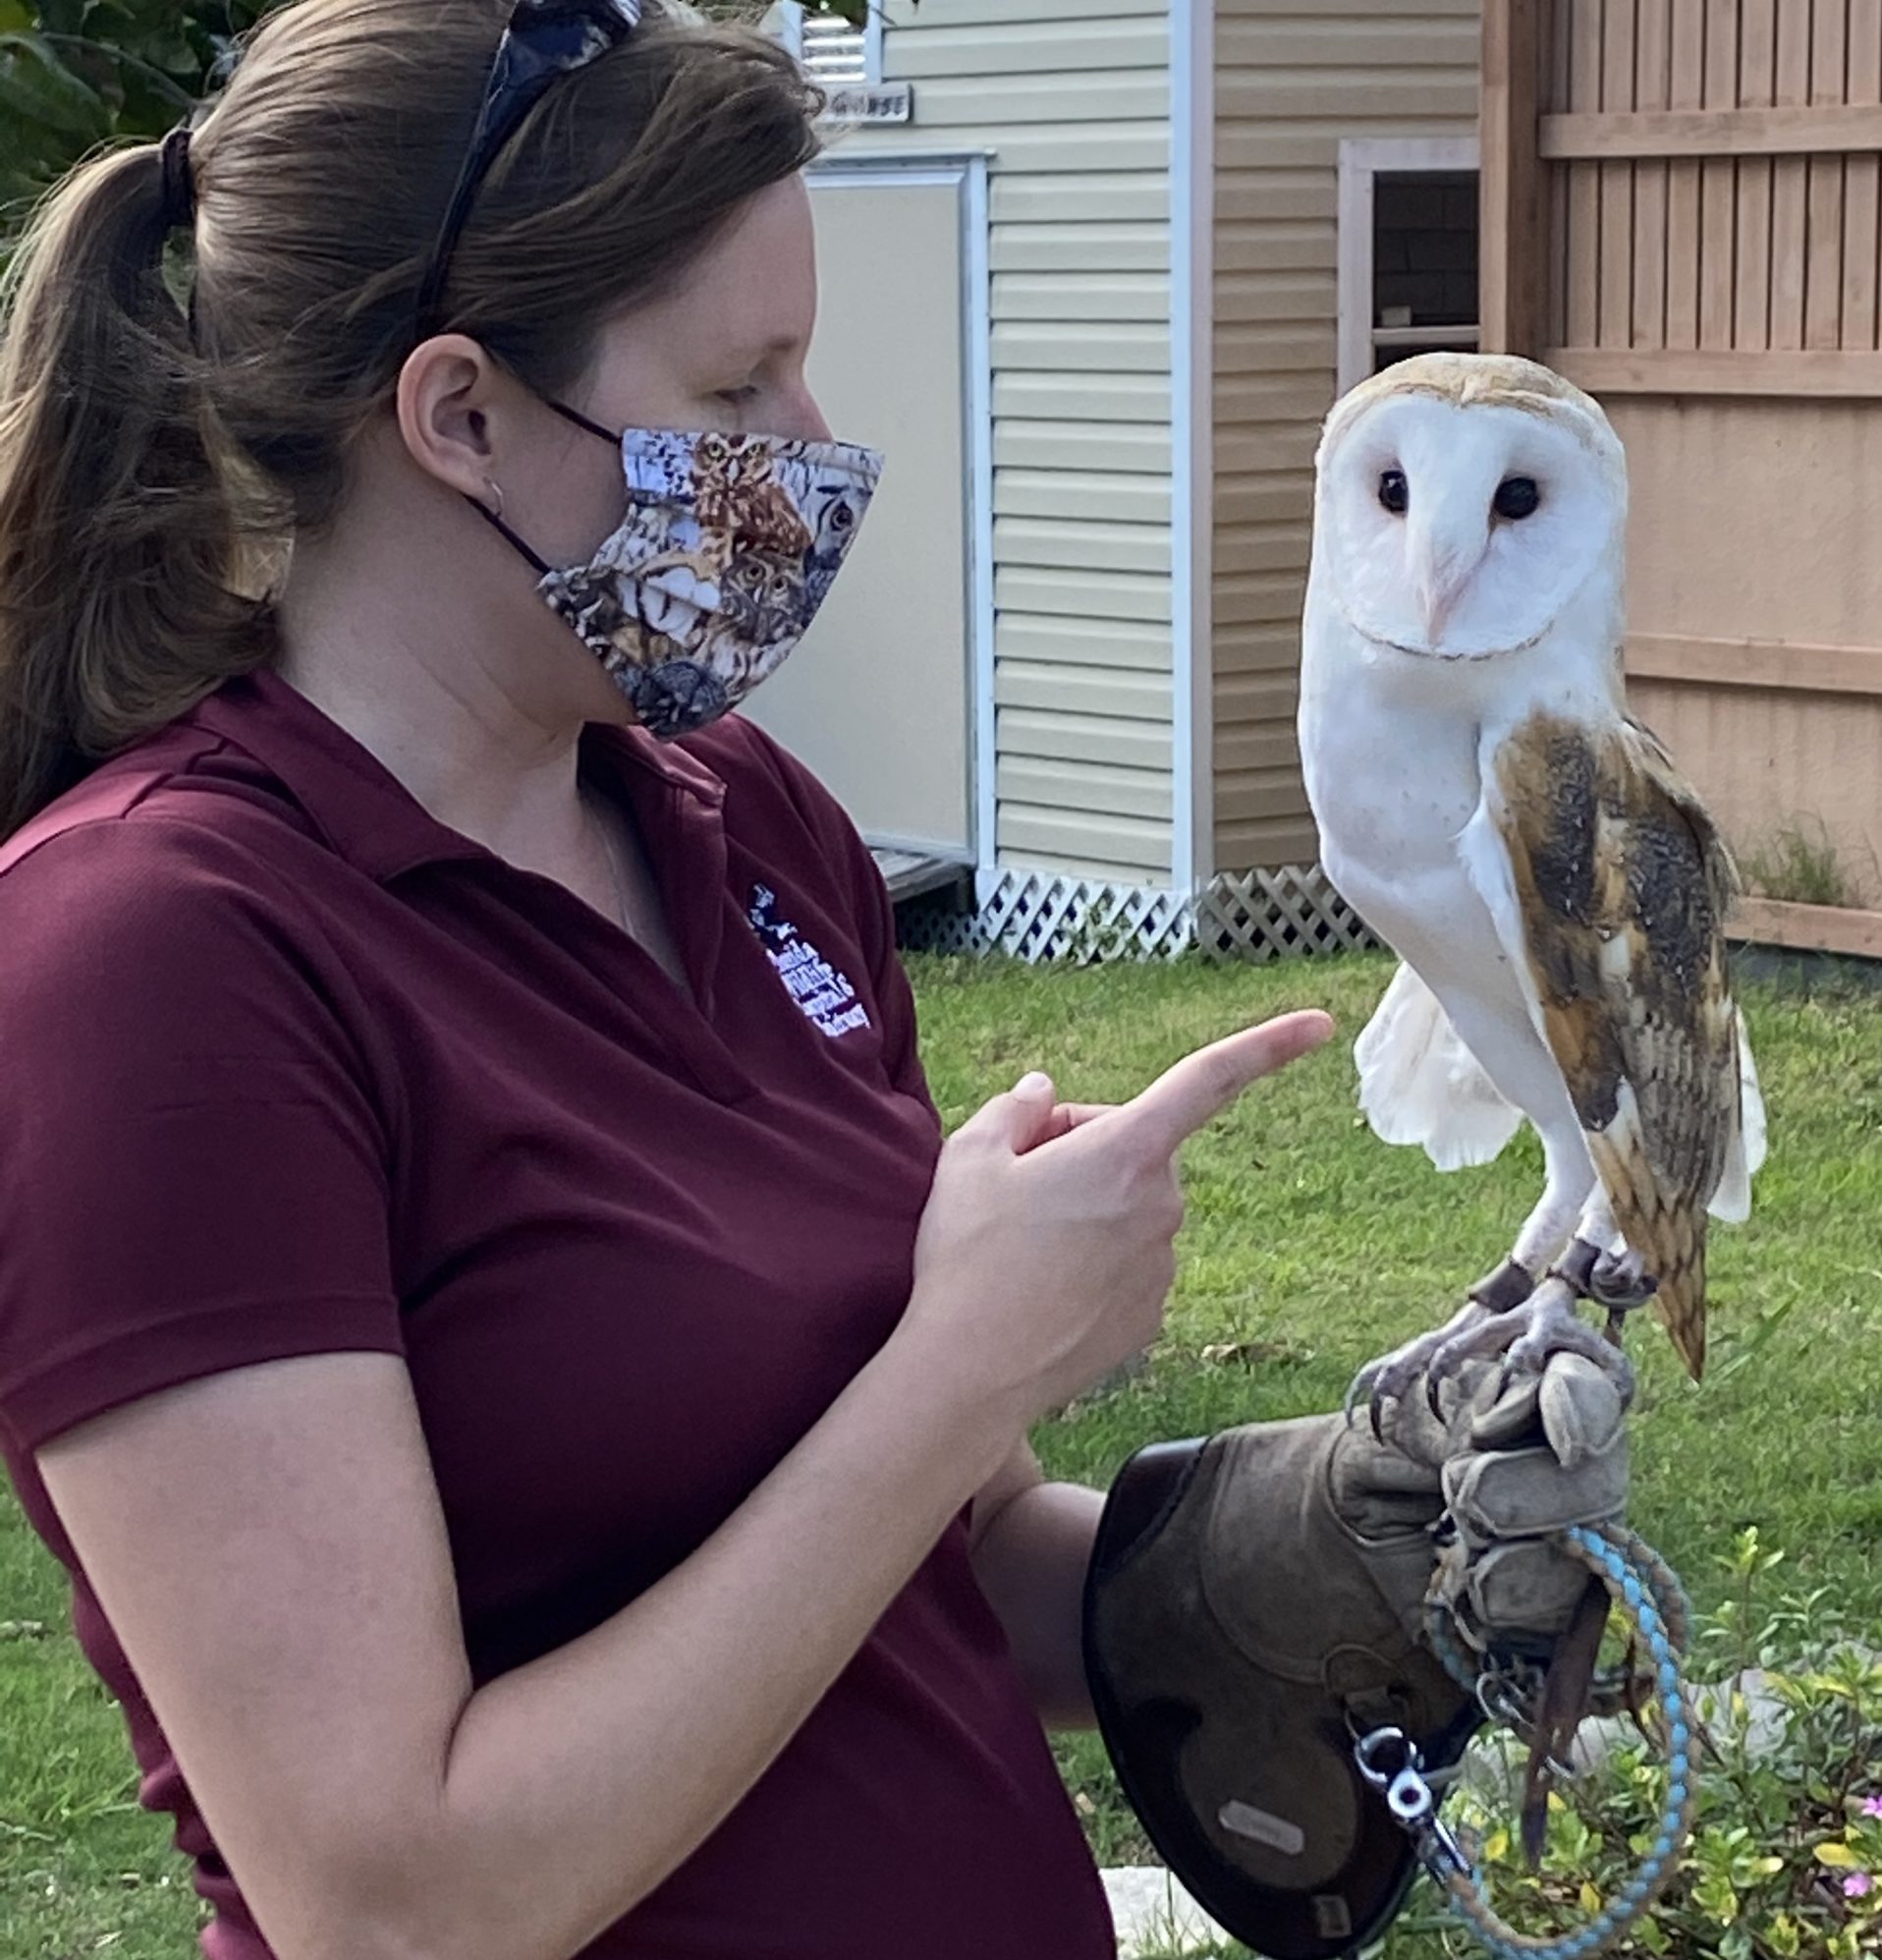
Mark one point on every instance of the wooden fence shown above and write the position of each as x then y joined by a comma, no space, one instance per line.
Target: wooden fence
1683,212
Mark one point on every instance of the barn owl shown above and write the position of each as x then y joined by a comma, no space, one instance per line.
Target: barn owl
1553,886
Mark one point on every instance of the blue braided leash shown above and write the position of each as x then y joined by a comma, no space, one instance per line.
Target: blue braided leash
1649,1598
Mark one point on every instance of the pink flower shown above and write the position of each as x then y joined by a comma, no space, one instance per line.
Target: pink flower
1873,1807
1858,1886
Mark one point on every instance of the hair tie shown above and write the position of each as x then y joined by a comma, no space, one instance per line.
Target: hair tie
179,181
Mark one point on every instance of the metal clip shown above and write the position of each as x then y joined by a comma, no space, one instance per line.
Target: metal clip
1508,1696
1407,1796
1439,1851
1502,1701
1404,1753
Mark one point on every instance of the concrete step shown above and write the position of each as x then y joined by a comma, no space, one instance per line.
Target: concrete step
1154,1915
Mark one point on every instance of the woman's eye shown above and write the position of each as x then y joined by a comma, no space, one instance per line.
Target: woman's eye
1516,497
1394,493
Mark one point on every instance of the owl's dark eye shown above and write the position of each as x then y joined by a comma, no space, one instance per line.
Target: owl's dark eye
1394,493
1516,497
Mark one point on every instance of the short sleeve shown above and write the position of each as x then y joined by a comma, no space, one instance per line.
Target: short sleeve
193,1176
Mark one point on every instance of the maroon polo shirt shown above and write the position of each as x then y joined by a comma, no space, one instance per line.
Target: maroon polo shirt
290,1068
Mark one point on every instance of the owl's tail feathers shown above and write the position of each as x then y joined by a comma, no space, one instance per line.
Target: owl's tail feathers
1682,1305
1732,1202
1665,1227
1419,1084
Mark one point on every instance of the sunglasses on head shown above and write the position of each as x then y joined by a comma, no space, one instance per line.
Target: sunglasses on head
544,40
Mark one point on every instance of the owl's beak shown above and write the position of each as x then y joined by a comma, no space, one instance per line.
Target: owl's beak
1441,568
1435,600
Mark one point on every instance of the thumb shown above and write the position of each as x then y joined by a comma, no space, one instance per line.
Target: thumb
1581,1409
1019,1120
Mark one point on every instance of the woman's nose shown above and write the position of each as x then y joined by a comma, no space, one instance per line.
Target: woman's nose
810,424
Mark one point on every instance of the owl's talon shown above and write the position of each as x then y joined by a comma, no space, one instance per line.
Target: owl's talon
1479,1333
1391,1378
1366,1384
1621,1282
1349,1405
1559,1332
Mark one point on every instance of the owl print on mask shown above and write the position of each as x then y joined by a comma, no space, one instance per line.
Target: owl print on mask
727,547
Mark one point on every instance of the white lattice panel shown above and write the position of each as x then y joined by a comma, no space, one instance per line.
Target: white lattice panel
929,925
1276,915
1036,915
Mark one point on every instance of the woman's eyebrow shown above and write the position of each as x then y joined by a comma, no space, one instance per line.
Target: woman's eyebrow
777,343
737,350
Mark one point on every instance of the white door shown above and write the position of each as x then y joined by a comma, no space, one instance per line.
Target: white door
879,698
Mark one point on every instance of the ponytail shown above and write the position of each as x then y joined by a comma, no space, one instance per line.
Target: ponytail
118,537
157,463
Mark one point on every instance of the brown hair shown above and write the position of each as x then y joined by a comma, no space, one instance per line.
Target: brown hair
155,454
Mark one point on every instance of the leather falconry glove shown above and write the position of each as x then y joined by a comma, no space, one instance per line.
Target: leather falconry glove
1256,1601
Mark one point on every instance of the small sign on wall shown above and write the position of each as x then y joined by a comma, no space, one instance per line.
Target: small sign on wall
878,102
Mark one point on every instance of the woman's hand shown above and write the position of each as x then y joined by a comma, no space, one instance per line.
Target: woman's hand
1046,1250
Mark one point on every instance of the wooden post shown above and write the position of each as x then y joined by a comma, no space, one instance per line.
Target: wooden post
1515,248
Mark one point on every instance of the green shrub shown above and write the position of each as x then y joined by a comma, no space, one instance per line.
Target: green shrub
75,74
1785,1857
1802,861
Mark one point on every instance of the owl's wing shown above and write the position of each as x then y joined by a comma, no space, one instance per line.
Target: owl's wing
1610,884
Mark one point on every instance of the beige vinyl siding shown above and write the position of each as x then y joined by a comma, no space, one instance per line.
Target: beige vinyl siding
1293,79
1070,100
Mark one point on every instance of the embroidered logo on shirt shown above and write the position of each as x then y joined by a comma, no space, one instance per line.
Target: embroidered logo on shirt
824,995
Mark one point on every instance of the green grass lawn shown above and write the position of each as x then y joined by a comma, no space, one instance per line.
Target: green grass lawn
1310,1248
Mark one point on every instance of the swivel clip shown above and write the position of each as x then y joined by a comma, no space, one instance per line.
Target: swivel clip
1390,1762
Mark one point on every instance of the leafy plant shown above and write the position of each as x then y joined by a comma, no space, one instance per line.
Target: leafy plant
75,74
1785,1857
1800,862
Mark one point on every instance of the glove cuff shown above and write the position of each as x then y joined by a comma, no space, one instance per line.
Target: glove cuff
1237,1639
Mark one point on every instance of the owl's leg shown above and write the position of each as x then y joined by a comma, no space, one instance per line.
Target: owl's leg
1528,1316
1570,1187
1497,1029
1618,1277
1598,1225
1499,1312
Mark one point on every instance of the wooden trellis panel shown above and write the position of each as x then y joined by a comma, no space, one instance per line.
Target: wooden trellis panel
1706,175
1682,213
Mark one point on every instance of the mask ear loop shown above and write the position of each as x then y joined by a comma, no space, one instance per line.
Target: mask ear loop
495,518
582,421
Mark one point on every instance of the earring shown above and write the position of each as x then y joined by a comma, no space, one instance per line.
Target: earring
497,490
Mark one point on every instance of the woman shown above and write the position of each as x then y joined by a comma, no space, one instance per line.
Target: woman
538,1437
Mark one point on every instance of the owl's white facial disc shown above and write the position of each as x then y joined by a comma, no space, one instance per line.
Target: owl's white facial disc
1460,531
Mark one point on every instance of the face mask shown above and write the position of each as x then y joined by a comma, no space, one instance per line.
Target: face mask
729,544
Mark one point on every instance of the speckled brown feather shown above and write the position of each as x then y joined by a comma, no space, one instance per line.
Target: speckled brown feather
1623,884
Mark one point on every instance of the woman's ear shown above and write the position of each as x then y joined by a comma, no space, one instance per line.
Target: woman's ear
450,396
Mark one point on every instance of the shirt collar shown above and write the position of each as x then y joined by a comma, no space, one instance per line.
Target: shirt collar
362,810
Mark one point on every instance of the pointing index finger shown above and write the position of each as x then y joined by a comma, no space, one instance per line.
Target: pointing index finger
1205,1083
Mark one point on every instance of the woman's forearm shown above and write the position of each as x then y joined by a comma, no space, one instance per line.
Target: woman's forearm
1030,1561
576,1784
